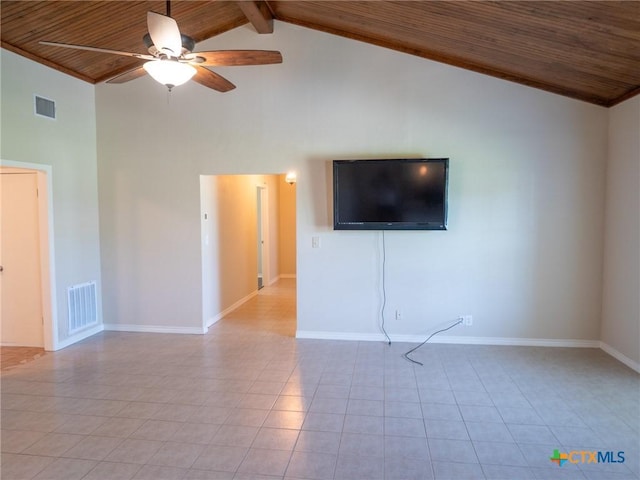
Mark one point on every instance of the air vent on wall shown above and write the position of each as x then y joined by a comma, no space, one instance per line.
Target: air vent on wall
83,308
45,107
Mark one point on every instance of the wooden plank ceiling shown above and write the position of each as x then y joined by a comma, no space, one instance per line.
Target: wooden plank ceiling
588,50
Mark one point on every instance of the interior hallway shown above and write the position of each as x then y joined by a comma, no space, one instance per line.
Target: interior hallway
273,310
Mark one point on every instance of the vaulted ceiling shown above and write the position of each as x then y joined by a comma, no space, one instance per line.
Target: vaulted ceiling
587,50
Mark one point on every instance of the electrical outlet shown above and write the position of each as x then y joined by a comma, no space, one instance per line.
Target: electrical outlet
467,320
398,315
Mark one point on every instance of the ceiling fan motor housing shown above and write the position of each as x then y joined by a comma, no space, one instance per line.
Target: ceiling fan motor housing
187,44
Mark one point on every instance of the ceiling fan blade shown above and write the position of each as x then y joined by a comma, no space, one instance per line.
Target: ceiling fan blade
165,34
211,79
236,57
96,49
128,76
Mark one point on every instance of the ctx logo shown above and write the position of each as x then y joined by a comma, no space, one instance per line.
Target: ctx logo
586,456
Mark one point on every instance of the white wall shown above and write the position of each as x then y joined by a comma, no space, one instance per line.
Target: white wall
68,145
524,246
621,299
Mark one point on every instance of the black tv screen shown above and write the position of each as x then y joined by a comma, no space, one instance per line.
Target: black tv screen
398,194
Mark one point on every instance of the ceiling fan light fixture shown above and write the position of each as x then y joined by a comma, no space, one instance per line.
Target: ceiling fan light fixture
170,72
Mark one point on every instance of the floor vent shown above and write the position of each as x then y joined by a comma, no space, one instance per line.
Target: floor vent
83,309
45,107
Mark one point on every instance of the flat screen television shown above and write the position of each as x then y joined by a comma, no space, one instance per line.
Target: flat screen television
393,194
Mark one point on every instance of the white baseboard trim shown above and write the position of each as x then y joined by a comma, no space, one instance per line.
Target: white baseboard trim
12,344
280,277
525,342
117,327
213,320
78,337
230,309
632,364
379,337
365,337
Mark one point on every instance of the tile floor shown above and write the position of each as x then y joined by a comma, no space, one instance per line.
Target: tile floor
249,401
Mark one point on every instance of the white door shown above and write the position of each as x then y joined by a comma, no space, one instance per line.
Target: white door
21,297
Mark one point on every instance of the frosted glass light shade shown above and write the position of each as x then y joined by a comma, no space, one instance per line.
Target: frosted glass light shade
170,72
290,178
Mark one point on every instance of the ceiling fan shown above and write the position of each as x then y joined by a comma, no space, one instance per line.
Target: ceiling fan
171,60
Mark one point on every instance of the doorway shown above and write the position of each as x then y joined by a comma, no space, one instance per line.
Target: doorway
22,322
27,299
247,239
262,229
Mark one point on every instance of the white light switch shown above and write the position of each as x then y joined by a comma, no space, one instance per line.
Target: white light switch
315,242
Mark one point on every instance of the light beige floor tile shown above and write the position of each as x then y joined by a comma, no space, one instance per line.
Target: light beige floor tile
118,427
66,469
15,441
81,424
220,458
158,472
275,439
93,447
200,433
235,435
194,474
173,454
284,419
452,471
249,417
403,468
362,445
112,471
349,467
156,430
134,451
53,444
20,466
265,462
202,405
316,466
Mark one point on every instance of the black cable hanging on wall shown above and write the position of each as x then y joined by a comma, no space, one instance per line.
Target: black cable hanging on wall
384,290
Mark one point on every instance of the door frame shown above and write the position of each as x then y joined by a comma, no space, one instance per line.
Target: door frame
47,250
263,216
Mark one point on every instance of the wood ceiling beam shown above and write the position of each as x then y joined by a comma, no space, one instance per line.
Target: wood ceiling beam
259,14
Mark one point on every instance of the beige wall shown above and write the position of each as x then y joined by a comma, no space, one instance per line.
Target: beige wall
287,244
620,330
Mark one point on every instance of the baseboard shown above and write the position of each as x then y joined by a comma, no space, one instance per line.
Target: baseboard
280,277
364,337
379,337
78,337
11,344
509,341
117,327
632,364
230,309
